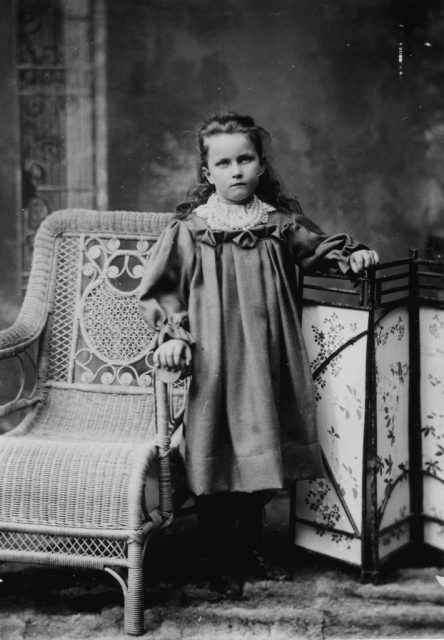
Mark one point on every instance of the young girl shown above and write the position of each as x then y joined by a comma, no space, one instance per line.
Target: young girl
219,290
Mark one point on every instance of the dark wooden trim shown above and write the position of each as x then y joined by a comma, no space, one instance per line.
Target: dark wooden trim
414,408
369,550
326,527
395,525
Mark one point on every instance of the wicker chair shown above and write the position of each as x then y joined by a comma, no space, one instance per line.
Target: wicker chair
77,481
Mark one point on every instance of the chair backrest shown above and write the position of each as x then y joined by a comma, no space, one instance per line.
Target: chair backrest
96,335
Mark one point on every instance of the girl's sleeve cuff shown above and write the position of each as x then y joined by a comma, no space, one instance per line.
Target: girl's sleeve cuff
172,329
341,255
342,259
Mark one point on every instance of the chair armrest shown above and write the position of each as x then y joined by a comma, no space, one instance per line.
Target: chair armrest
166,424
37,303
168,378
20,341
27,391
21,334
163,440
20,403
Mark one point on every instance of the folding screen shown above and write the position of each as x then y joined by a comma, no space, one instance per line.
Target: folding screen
367,345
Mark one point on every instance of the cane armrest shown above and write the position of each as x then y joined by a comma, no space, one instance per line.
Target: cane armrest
169,379
169,412
18,404
38,300
33,314
20,335
20,344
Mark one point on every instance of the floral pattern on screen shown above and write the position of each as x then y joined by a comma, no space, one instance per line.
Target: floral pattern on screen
432,369
332,505
432,420
332,332
392,406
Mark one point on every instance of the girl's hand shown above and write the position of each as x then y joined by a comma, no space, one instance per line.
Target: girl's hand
360,260
173,355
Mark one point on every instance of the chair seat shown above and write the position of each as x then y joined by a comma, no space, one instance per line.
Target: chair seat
80,461
73,484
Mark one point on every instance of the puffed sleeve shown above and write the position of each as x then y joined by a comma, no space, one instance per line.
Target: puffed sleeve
164,288
314,250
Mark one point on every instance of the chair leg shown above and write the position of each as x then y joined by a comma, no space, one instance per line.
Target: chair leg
134,597
132,589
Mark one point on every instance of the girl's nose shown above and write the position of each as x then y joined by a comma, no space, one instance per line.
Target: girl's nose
236,170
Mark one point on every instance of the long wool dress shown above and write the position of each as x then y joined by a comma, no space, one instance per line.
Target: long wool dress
250,419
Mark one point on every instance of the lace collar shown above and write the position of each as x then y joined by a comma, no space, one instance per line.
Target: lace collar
234,217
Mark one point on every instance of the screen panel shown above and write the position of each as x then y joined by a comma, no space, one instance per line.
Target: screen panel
431,322
392,410
328,510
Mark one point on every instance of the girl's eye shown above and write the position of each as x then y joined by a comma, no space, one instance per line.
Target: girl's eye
222,163
246,159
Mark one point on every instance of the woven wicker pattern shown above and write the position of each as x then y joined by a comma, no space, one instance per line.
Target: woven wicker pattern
113,325
77,485
64,304
77,415
111,337
73,473
86,547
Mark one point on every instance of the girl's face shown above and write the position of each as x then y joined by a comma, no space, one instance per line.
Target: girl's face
233,166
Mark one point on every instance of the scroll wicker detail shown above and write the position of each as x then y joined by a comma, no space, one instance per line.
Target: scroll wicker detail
76,474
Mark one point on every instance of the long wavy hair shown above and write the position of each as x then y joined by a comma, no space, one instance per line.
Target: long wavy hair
269,188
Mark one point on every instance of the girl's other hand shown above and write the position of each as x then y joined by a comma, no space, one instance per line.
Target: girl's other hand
173,355
360,260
